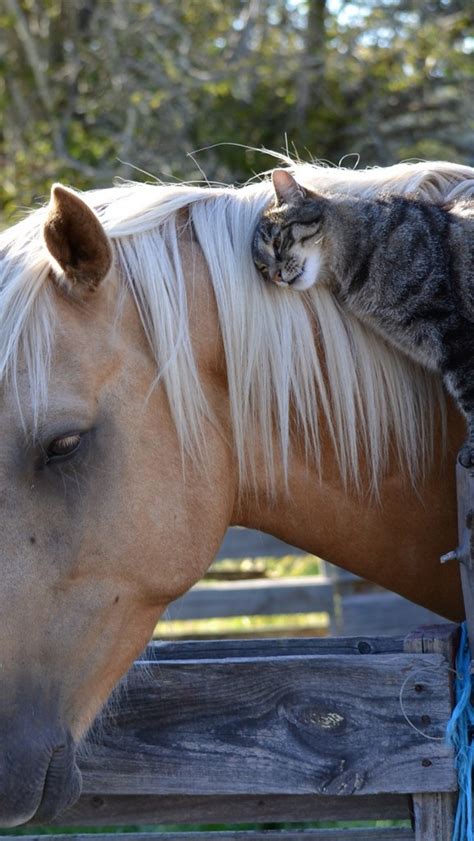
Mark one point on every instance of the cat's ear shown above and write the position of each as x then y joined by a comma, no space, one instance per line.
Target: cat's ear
287,190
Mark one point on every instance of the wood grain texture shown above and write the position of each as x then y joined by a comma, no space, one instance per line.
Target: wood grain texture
313,724
101,810
228,649
434,816
465,499
434,639
433,813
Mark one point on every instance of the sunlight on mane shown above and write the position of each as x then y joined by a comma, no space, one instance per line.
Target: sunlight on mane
365,391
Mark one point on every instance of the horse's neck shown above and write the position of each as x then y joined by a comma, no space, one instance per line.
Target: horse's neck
395,542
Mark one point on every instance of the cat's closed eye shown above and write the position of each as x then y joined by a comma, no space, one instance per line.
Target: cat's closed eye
306,232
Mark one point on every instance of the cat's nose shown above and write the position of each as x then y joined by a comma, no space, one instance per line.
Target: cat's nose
276,277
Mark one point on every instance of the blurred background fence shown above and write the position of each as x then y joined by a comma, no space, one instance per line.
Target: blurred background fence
259,586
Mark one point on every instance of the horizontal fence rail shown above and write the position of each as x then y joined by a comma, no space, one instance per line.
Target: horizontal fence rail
283,835
302,594
335,592
101,810
276,721
313,724
250,543
289,730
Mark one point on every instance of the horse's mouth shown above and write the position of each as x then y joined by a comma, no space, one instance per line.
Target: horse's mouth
41,791
62,785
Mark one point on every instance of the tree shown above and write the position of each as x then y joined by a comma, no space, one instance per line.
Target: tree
89,88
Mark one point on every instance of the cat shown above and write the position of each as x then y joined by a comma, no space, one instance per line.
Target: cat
403,266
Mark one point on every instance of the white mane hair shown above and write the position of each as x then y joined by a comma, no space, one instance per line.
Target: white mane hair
293,360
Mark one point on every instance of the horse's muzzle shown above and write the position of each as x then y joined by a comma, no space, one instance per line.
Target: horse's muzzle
37,783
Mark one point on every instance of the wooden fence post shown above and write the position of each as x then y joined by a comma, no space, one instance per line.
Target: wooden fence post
434,816
465,550
433,813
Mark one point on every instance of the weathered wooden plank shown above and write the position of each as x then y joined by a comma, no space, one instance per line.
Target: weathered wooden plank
395,834
101,810
250,543
243,835
288,725
465,551
434,812
435,639
434,816
381,613
228,649
305,594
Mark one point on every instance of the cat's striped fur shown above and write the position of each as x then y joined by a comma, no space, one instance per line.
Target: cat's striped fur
402,265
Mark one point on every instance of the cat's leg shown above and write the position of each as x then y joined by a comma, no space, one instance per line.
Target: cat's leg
466,453
461,385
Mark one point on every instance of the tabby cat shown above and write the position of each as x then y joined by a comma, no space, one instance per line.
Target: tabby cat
403,266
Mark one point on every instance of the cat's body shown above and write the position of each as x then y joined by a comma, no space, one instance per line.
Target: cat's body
402,266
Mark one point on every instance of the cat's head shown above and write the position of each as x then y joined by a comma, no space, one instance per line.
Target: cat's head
286,244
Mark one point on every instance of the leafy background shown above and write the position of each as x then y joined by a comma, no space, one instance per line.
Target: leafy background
90,89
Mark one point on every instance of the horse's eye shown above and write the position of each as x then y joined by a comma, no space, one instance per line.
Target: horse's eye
65,446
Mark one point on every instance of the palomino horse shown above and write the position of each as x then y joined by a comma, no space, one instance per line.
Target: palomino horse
154,392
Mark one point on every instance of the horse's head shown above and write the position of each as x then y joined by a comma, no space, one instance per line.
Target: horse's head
116,485
100,520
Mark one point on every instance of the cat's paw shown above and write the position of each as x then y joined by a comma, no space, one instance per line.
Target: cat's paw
466,455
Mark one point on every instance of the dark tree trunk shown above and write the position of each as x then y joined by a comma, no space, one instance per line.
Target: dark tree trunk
311,76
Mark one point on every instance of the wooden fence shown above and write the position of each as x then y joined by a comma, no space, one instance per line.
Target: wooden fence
292,731
353,606
279,730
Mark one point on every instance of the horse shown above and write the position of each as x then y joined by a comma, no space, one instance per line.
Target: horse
154,392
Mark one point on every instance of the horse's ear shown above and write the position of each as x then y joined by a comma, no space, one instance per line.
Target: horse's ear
287,190
76,239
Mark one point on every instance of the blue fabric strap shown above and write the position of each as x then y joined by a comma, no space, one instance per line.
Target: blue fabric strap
460,733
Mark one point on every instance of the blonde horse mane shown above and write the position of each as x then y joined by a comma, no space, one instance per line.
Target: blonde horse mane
367,393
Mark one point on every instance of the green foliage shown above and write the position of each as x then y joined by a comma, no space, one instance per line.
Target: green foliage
90,90
265,567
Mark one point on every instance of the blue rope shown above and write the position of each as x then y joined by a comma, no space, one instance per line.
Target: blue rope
460,731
